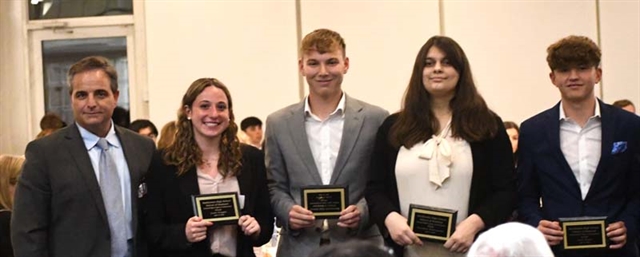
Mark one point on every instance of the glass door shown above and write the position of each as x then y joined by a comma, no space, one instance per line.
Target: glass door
54,51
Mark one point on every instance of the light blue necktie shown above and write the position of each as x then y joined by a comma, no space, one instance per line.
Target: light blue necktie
112,197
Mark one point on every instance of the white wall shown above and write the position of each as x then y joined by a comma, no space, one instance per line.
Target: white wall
248,45
14,114
620,38
506,43
252,47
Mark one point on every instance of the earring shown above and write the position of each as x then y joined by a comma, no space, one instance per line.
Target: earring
188,118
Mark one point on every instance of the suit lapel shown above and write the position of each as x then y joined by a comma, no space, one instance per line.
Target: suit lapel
128,149
245,184
608,122
188,182
553,132
353,120
80,155
298,133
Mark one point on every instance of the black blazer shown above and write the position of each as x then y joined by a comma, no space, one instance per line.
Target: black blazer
493,185
168,206
5,237
543,172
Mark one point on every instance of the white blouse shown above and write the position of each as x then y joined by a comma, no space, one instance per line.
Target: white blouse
222,239
416,185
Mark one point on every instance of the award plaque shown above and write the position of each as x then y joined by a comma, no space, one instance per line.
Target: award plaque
430,223
221,209
325,201
584,232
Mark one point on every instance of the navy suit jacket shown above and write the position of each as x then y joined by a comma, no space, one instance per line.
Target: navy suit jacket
543,172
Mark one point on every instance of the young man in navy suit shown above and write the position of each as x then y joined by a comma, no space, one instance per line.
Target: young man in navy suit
581,157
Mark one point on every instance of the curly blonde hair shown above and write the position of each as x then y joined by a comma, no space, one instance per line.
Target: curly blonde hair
184,151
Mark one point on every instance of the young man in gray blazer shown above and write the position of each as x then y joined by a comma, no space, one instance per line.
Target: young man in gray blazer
326,139
79,188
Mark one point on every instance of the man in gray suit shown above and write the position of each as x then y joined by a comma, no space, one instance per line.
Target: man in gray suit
79,188
326,139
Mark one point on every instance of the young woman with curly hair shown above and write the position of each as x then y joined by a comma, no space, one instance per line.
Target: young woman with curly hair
205,158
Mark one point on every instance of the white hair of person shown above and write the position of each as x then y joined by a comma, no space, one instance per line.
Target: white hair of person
511,239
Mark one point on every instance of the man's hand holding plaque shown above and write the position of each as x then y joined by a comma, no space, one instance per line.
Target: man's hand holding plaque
327,202
300,217
617,233
349,217
552,231
585,232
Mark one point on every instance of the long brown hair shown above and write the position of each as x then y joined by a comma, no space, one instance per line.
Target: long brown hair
471,119
184,151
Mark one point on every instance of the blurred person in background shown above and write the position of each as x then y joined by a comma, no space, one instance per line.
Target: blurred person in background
10,167
145,128
625,105
252,128
514,133
49,123
167,135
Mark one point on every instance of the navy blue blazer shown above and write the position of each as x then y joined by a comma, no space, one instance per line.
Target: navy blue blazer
543,172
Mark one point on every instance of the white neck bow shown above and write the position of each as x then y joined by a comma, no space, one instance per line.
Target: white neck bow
438,151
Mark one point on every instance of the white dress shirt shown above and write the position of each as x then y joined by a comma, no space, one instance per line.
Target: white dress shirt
581,146
324,138
117,155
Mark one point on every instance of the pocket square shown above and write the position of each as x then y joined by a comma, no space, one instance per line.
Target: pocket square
619,147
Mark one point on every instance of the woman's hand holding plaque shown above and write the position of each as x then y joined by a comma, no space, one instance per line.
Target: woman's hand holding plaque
196,229
399,230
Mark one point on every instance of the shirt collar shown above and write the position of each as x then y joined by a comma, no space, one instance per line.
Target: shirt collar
90,140
339,108
563,116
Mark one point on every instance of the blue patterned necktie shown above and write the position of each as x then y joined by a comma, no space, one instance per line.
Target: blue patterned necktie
112,197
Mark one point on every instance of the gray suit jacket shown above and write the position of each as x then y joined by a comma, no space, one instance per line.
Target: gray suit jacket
290,166
58,209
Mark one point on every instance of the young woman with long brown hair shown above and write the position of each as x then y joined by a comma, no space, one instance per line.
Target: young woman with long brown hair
445,149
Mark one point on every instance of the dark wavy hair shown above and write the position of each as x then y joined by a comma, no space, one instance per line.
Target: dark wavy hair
472,120
94,63
184,151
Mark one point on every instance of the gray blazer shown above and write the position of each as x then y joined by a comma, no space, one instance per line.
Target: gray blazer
290,166
58,209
